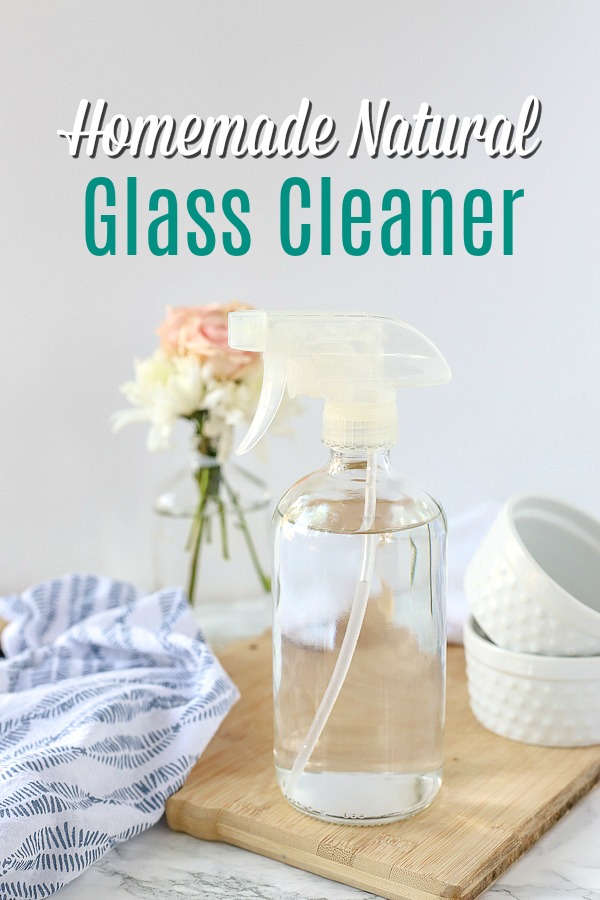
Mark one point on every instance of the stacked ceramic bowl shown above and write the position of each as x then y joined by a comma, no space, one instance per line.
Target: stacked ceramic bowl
532,645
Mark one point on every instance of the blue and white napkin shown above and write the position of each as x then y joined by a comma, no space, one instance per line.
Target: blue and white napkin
107,698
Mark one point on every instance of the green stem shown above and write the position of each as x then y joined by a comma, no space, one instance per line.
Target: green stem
223,521
264,579
202,477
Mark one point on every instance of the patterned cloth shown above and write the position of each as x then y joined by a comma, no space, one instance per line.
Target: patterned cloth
106,700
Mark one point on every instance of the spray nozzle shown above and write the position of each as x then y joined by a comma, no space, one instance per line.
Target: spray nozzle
353,361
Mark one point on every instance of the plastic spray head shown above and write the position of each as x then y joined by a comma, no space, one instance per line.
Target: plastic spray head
355,362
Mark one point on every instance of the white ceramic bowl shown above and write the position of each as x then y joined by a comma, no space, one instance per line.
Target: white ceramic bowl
549,700
534,583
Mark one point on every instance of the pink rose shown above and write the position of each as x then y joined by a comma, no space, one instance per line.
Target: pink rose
201,331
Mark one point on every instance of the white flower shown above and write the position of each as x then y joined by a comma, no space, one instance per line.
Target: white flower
228,404
165,388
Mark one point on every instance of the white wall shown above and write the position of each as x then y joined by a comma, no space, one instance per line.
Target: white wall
520,333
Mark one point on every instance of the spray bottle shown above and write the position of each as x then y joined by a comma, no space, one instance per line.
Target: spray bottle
359,574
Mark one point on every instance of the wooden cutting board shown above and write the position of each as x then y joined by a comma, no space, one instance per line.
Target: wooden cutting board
497,798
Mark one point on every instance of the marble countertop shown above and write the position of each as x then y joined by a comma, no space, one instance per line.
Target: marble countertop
563,865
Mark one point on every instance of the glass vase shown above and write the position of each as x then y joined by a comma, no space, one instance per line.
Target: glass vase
211,536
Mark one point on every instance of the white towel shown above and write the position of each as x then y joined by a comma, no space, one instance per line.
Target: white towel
107,698
465,533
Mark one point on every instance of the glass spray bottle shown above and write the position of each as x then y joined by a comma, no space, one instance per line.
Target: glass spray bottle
359,574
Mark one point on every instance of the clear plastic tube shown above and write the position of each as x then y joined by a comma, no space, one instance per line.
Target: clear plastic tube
353,628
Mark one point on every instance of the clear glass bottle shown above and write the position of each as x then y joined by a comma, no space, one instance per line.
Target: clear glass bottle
379,755
359,572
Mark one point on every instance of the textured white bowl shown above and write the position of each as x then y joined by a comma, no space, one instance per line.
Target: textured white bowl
534,583
549,700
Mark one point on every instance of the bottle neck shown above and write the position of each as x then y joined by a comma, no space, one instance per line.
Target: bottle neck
342,460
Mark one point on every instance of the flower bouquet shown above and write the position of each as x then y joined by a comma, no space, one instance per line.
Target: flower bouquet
195,375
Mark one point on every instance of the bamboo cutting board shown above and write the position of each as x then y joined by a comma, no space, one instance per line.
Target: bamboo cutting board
497,798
